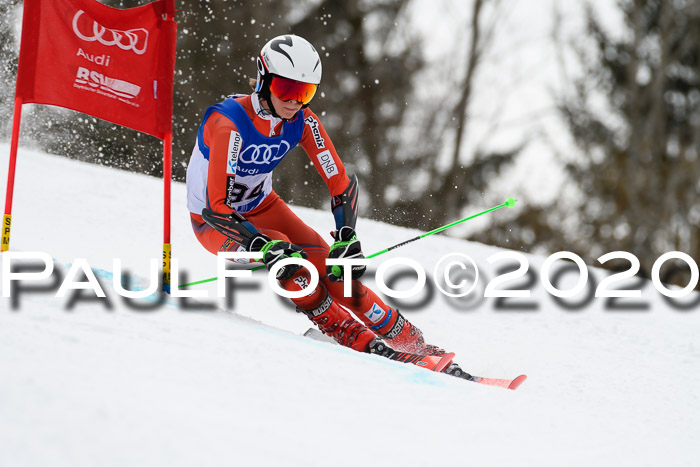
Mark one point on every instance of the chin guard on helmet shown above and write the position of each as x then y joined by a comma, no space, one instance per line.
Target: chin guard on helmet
345,205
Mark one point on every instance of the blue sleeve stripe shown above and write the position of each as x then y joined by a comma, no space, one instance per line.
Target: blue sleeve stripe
338,216
251,228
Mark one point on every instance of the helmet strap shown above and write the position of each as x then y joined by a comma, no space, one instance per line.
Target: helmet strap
273,111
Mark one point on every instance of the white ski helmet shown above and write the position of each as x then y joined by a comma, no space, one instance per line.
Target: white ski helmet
291,57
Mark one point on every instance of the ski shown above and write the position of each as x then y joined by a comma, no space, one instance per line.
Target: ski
315,334
502,383
457,372
432,362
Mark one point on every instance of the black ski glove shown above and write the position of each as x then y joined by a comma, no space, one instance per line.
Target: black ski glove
346,246
275,250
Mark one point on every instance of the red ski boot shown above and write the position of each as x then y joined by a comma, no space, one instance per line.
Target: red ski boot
401,335
333,320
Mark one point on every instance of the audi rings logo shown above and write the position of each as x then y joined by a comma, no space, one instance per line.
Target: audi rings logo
133,39
264,153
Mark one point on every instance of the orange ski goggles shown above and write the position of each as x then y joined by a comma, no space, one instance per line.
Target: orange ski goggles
290,90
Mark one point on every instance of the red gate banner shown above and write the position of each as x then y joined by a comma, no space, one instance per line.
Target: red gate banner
113,64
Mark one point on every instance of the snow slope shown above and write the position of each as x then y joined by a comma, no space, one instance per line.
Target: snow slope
96,382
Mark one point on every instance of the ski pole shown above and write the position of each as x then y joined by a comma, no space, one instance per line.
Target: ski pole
510,202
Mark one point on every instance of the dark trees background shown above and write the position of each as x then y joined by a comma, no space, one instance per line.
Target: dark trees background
635,117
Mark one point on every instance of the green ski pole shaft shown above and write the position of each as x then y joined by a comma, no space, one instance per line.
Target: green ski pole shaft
212,279
510,202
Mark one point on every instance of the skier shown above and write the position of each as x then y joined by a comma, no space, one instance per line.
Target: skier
234,208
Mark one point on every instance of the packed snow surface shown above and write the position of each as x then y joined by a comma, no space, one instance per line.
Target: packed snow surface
87,381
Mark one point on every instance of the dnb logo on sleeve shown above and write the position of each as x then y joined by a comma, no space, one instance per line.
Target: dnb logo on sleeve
327,163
